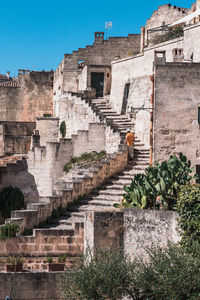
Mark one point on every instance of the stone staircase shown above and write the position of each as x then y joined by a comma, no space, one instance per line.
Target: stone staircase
103,110
57,237
104,197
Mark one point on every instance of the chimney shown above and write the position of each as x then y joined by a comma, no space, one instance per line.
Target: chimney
8,74
99,37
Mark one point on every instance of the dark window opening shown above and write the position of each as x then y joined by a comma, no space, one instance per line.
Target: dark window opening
199,115
125,98
108,74
198,173
97,82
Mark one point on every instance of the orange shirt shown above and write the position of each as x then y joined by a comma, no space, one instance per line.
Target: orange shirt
130,139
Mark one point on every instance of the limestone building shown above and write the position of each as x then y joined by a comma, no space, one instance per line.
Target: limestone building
149,82
89,67
162,83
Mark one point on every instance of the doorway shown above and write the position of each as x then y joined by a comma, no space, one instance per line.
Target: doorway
97,82
125,98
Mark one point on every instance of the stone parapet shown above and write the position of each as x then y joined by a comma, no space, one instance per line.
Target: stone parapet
33,286
132,230
38,212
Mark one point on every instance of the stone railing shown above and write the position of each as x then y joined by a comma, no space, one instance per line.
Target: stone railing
69,192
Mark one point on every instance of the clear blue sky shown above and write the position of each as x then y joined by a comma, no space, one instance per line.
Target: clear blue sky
35,34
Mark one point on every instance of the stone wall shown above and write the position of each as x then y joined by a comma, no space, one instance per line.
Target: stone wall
136,71
132,229
30,98
144,228
78,115
43,242
47,163
33,286
177,99
191,43
103,230
48,129
166,14
18,175
101,53
15,137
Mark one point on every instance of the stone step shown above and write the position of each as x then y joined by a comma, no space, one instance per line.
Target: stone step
103,106
17,221
108,192
108,113
120,118
22,213
96,208
35,206
116,186
104,202
122,121
108,197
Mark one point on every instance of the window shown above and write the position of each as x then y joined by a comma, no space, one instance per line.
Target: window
198,173
199,115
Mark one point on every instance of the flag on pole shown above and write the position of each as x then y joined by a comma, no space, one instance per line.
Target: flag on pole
108,25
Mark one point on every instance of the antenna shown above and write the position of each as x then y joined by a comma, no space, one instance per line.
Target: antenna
108,26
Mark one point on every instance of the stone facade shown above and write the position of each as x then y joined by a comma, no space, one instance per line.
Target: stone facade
147,228
137,71
15,137
48,129
46,163
31,97
71,76
33,286
35,248
176,127
78,115
132,230
164,15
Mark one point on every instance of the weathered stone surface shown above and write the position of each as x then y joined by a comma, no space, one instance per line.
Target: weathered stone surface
15,137
176,127
145,228
37,285
32,97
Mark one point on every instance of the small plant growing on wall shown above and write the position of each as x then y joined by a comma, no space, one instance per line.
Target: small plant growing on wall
14,264
8,231
11,198
63,129
86,160
49,260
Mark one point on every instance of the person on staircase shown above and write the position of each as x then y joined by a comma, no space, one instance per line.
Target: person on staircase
129,141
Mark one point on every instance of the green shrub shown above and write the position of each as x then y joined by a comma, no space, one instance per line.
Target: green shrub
49,259
62,258
63,129
8,231
173,33
188,206
169,274
86,160
106,275
11,198
160,182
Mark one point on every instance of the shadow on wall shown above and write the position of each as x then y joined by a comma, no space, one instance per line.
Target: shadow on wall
17,175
